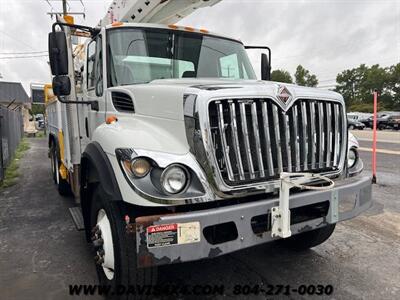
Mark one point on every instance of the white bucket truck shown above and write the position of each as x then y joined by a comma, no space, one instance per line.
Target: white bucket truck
178,153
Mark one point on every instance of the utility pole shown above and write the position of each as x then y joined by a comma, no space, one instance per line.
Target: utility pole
64,5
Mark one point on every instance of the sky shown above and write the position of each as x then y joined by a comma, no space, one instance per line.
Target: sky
325,36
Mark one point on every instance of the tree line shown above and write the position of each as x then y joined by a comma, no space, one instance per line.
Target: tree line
356,85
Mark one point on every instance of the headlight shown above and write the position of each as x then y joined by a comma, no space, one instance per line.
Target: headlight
140,167
174,179
352,158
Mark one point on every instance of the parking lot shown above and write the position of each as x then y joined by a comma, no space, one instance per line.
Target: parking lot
41,253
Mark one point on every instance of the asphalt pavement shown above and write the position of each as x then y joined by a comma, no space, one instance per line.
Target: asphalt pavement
41,253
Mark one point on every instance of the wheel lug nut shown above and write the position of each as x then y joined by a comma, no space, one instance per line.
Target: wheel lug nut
98,243
99,260
95,229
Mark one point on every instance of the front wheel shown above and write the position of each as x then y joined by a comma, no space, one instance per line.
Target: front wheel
309,239
115,248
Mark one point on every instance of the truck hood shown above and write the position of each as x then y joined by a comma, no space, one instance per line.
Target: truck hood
164,98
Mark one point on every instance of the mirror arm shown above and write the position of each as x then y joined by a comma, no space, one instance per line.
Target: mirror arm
94,105
268,74
93,31
262,47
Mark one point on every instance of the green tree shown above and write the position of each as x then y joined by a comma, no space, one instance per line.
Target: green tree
37,109
281,76
357,85
304,77
394,85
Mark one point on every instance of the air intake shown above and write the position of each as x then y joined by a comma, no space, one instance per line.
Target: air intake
122,102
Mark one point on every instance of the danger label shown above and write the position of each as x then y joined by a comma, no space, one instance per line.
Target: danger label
162,235
173,234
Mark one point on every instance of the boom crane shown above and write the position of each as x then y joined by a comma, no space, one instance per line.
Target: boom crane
153,11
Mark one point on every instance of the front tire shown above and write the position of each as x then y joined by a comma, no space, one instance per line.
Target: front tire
309,239
115,255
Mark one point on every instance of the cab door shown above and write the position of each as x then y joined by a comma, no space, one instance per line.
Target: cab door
94,85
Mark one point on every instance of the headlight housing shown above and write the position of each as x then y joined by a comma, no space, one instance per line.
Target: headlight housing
159,177
174,179
352,158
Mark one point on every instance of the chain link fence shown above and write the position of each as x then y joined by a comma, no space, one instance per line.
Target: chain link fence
11,133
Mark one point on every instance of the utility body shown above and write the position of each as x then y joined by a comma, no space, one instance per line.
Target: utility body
177,152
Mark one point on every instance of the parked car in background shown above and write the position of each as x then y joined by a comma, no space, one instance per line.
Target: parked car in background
394,122
359,116
354,124
39,121
383,119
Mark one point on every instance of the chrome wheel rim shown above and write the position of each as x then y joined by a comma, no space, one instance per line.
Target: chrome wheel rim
106,251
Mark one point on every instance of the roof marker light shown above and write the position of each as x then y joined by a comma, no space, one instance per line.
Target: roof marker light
117,24
69,19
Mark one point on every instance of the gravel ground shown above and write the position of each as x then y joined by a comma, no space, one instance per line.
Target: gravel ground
41,253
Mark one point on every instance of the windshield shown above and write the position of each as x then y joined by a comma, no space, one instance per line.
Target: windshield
142,55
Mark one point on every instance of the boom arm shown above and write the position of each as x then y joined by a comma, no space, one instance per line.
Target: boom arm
153,11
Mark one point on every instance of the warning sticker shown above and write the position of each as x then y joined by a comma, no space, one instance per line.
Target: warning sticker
188,233
173,234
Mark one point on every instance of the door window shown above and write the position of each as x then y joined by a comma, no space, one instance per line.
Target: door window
91,56
95,66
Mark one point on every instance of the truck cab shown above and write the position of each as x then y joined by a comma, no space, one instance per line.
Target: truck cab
180,149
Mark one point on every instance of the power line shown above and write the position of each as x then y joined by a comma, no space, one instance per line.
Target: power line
28,56
21,42
66,8
18,53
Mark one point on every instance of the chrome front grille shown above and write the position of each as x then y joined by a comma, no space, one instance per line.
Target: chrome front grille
255,140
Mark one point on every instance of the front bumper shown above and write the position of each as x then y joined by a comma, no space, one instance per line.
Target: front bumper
346,200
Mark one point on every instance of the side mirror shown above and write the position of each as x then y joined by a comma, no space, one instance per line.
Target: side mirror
265,62
61,85
58,53
265,67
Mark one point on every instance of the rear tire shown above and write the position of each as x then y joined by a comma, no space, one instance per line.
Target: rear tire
309,239
125,272
63,186
53,162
